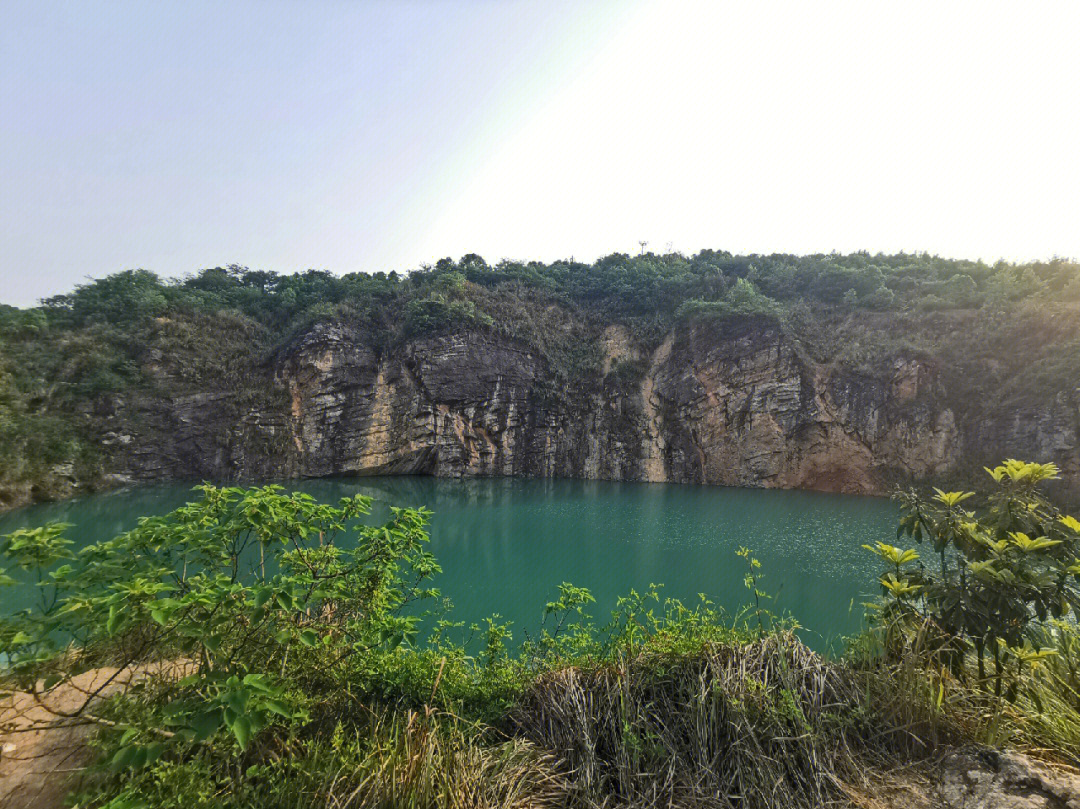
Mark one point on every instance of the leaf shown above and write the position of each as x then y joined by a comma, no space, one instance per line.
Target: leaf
138,761
1028,545
951,499
900,588
205,724
236,701
1071,523
308,637
279,708
892,554
124,757
241,728
154,751
114,620
257,681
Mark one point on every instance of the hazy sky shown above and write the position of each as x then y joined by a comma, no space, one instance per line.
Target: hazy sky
382,135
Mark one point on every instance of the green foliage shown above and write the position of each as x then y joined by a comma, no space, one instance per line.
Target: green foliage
249,618
1005,589
617,286
125,297
743,299
33,440
752,582
260,593
999,570
273,643
435,315
881,298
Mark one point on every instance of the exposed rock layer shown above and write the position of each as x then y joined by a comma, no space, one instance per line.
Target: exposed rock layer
737,405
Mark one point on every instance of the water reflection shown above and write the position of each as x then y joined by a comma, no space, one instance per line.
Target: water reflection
506,544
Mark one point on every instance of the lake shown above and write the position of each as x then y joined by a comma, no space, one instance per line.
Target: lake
506,544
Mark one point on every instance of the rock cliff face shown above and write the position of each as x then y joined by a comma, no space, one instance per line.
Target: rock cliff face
737,404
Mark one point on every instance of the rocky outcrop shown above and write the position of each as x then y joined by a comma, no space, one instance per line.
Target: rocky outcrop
732,404
450,406
975,778
992,779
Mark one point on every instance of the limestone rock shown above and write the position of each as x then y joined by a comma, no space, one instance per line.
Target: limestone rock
990,779
735,403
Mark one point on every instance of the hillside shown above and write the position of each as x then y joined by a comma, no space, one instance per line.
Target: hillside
842,373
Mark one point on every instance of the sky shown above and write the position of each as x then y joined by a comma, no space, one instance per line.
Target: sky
383,135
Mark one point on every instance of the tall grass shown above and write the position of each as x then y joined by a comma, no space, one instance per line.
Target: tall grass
423,760
388,759
926,700
761,724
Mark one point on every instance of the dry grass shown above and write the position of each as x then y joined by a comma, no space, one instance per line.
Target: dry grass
763,724
422,760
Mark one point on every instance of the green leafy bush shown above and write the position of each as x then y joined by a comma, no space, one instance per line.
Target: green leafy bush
1003,588
435,315
255,590
741,300
999,572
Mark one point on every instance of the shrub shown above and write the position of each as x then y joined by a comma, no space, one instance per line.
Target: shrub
273,650
436,315
742,299
255,589
1004,589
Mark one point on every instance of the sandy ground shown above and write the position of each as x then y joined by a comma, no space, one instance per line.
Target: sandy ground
41,747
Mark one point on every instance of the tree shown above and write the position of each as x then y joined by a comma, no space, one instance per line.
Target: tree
259,591
1002,570
124,297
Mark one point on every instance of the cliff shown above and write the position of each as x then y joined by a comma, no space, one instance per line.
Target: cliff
737,403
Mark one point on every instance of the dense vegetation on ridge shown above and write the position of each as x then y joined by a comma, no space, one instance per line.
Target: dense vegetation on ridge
1009,331
289,654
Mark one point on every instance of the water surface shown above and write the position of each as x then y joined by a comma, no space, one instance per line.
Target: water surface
506,544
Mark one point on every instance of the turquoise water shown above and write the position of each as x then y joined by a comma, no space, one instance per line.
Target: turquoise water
506,544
